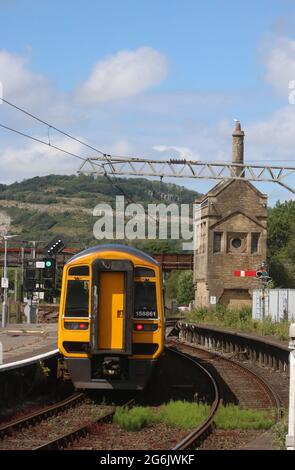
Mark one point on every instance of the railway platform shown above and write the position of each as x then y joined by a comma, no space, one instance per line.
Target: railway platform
266,441
22,343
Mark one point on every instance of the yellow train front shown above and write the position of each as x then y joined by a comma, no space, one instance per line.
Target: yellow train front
111,321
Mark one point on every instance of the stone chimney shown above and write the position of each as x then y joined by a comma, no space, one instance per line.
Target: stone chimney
238,148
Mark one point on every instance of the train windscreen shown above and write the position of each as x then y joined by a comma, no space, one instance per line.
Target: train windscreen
77,299
145,300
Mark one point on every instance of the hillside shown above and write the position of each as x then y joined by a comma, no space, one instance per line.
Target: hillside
43,207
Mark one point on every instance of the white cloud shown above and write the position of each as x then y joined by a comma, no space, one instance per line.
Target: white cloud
20,84
181,152
274,135
123,75
122,147
35,159
279,61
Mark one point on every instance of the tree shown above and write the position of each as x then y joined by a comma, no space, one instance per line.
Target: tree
185,288
171,287
281,244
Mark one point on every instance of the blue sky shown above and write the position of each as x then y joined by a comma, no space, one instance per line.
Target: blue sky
205,42
132,76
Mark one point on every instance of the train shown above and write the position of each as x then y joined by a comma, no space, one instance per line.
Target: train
111,320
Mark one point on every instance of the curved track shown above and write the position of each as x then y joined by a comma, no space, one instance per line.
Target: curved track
250,390
193,439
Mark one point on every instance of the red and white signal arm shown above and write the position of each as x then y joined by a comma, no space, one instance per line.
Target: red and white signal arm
245,273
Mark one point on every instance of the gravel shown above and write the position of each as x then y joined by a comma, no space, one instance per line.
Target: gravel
112,437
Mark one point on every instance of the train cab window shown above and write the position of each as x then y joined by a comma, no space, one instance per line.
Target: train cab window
144,272
77,299
79,271
145,300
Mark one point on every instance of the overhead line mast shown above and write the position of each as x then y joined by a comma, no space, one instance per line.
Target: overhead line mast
183,168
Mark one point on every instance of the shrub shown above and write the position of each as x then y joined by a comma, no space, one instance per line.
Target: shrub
239,319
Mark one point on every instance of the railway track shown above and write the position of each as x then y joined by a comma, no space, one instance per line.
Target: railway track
228,379
101,436
194,438
267,359
39,425
237,376
77,414
249,389
38,416
68,438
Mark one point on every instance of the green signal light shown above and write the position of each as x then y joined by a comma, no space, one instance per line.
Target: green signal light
48,264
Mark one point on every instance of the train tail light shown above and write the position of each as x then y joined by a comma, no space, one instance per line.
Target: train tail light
71,325
145,326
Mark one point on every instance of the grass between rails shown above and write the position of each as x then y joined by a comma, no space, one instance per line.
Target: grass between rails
233,417
184,415
239,319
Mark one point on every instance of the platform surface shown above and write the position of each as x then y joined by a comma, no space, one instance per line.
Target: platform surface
21,341
263,442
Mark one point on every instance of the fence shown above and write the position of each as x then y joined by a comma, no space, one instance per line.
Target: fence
277,304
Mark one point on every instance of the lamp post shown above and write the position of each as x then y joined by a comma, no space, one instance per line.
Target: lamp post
4,282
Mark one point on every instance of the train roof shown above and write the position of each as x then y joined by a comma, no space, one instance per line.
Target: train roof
116,247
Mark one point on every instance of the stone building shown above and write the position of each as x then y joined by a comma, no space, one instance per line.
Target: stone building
231,231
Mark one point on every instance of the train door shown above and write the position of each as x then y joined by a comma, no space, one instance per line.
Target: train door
112,307
111,310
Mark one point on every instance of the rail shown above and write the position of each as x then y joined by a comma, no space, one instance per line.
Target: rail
39,416
194,438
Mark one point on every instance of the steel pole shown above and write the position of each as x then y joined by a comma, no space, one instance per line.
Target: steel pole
290,438
4,304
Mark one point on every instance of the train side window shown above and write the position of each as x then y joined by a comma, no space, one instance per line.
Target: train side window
143,272
79,271
77,299
145,300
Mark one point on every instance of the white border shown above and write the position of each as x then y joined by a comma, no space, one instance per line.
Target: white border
28,361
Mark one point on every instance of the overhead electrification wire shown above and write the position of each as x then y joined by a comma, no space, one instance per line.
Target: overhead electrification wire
51,126
49,144
23,134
